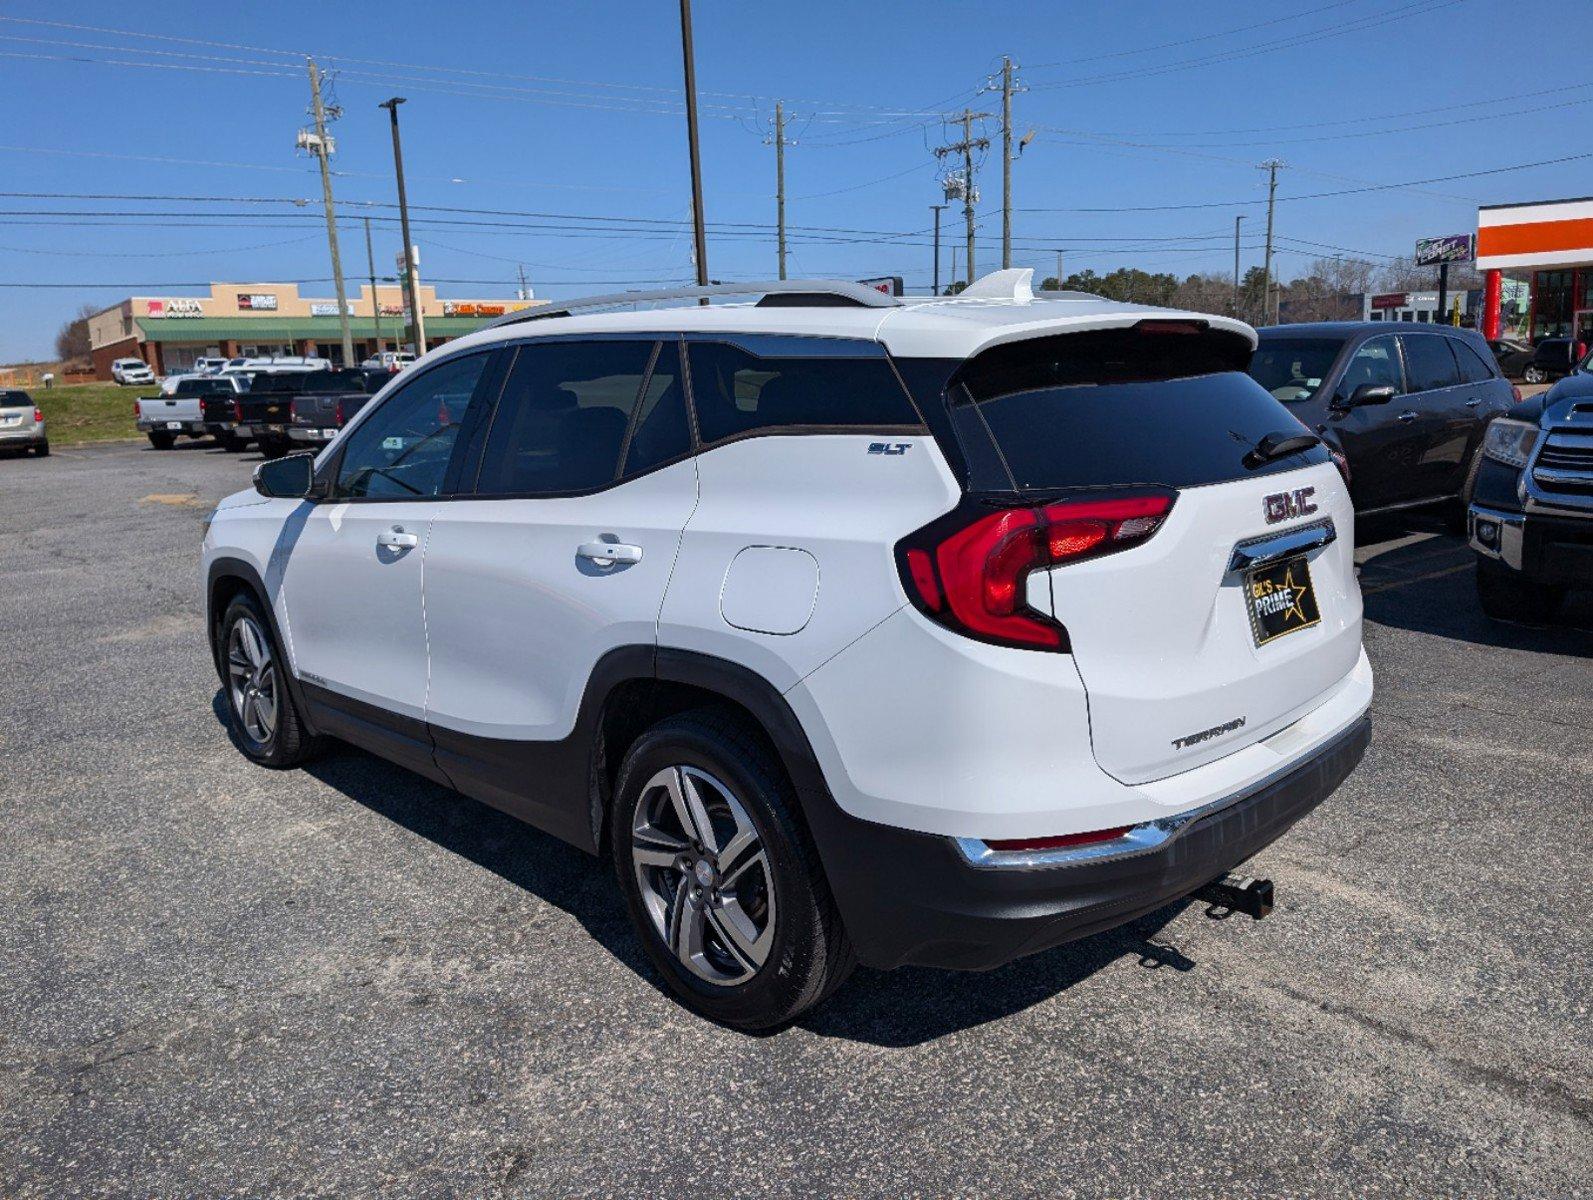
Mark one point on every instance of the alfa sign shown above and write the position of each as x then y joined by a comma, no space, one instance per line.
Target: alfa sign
180,306
1431,252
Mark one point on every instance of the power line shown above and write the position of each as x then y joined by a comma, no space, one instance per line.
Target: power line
1206,37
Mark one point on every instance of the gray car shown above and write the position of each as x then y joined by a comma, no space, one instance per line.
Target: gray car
22,424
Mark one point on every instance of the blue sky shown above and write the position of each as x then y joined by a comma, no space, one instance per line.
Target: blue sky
570,111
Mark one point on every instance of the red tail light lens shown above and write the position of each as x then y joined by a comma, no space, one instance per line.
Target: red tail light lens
1060,842
337,414
237,411
38,416
969,571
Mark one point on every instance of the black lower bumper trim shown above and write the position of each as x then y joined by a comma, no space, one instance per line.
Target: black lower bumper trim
911,898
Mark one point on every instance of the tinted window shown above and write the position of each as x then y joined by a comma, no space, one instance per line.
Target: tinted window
401,451
1376,363
561,421
1293,368
1428,364
1115,407
802,382
662,431
1472,367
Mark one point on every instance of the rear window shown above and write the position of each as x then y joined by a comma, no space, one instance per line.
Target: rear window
1118,407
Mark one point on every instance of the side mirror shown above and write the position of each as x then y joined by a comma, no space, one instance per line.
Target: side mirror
1366,393
291,477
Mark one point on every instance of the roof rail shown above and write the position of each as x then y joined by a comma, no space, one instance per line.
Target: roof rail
840,292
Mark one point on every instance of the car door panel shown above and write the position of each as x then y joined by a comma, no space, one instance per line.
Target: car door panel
1442,422
1380,448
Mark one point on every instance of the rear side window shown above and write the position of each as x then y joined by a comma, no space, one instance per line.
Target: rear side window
798,383
561,421
1120,407
1473,368
1428,363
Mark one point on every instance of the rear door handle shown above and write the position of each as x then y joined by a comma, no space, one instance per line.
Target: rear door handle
606,554
396,539
1406,417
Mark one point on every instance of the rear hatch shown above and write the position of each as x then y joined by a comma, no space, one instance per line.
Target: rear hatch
15,414
1185,652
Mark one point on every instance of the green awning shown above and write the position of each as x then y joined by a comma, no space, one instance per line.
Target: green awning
293,329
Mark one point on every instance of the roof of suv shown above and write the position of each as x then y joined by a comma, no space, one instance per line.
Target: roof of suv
908,327
1347,328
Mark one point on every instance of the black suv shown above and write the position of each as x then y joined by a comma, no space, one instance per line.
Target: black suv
1531,513
1404,405
1552,358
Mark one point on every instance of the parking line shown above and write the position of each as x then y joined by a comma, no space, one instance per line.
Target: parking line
1398,583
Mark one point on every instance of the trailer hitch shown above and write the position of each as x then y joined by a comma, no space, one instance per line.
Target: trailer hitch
1238,893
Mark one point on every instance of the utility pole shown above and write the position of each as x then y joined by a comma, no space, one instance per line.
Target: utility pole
321,147
1236,221
966,147
936,208
370,266
417,321
779,177
1271,167
699,232
525,289
1006,162
1059,270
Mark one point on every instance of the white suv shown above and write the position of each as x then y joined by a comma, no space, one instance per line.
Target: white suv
852,627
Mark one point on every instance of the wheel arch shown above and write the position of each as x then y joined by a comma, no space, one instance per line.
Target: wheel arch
226,579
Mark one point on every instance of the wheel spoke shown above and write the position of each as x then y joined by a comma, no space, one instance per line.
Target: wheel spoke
687,802
686,928
741,843
653,848
251,642
739,935
746,864
265,707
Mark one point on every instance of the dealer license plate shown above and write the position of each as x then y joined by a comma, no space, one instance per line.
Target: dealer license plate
1281,599
174,424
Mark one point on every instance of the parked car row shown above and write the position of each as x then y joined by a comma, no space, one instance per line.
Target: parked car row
1548,360
271,403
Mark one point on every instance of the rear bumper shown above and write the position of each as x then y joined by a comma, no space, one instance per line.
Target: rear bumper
311,436
917,898
155,425
31,435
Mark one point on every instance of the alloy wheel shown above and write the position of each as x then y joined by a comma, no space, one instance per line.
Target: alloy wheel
252,680
704,875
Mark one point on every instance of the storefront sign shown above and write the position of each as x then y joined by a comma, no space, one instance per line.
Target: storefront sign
891,285
461,308
179,306
394,310
258,302
329,309
1390,300
1456,247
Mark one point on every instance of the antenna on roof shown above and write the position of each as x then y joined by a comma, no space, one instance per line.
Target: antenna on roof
1016,283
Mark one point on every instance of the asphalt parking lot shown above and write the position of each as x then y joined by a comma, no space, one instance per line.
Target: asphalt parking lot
219,980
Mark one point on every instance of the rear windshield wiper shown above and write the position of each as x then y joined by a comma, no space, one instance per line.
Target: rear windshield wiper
1280,445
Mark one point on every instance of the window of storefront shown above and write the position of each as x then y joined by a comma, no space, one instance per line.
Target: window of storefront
1553,292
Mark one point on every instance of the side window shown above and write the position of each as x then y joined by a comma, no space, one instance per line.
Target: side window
1473,369
561,421
662,431
1428,363
1377,363
401,451
738,392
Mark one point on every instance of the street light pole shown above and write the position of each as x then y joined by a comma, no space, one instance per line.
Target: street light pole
370,265
937,209
1236,221
417,320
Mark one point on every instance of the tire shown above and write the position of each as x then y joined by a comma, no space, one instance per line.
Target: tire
790,951
264,720
272,449
162,441
1533,374
231,444
42,449
1508,595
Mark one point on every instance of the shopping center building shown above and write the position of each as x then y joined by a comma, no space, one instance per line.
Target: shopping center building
1552,239
170,332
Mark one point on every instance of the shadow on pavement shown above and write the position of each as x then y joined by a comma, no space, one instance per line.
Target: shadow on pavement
898,1008
1416,575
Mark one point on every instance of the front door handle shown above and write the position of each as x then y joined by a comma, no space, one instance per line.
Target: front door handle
396,539
1406,417
606,554
1474,402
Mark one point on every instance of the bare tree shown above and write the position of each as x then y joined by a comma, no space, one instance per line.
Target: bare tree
72,340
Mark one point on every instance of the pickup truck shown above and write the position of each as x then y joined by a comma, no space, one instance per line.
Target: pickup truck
166,418
317,415
265,412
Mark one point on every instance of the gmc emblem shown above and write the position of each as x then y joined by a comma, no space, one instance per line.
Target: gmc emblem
1280,506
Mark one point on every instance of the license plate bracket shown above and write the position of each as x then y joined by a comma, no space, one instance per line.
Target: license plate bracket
1280,599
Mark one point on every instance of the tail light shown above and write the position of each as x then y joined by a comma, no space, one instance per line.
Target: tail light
969,570
337,414
1515,390
137,411
293,411
1342,463
237,411
38,416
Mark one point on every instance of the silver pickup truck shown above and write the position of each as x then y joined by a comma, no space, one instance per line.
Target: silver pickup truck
167,418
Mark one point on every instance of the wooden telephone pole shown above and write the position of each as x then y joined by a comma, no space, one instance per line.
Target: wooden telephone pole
966,147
